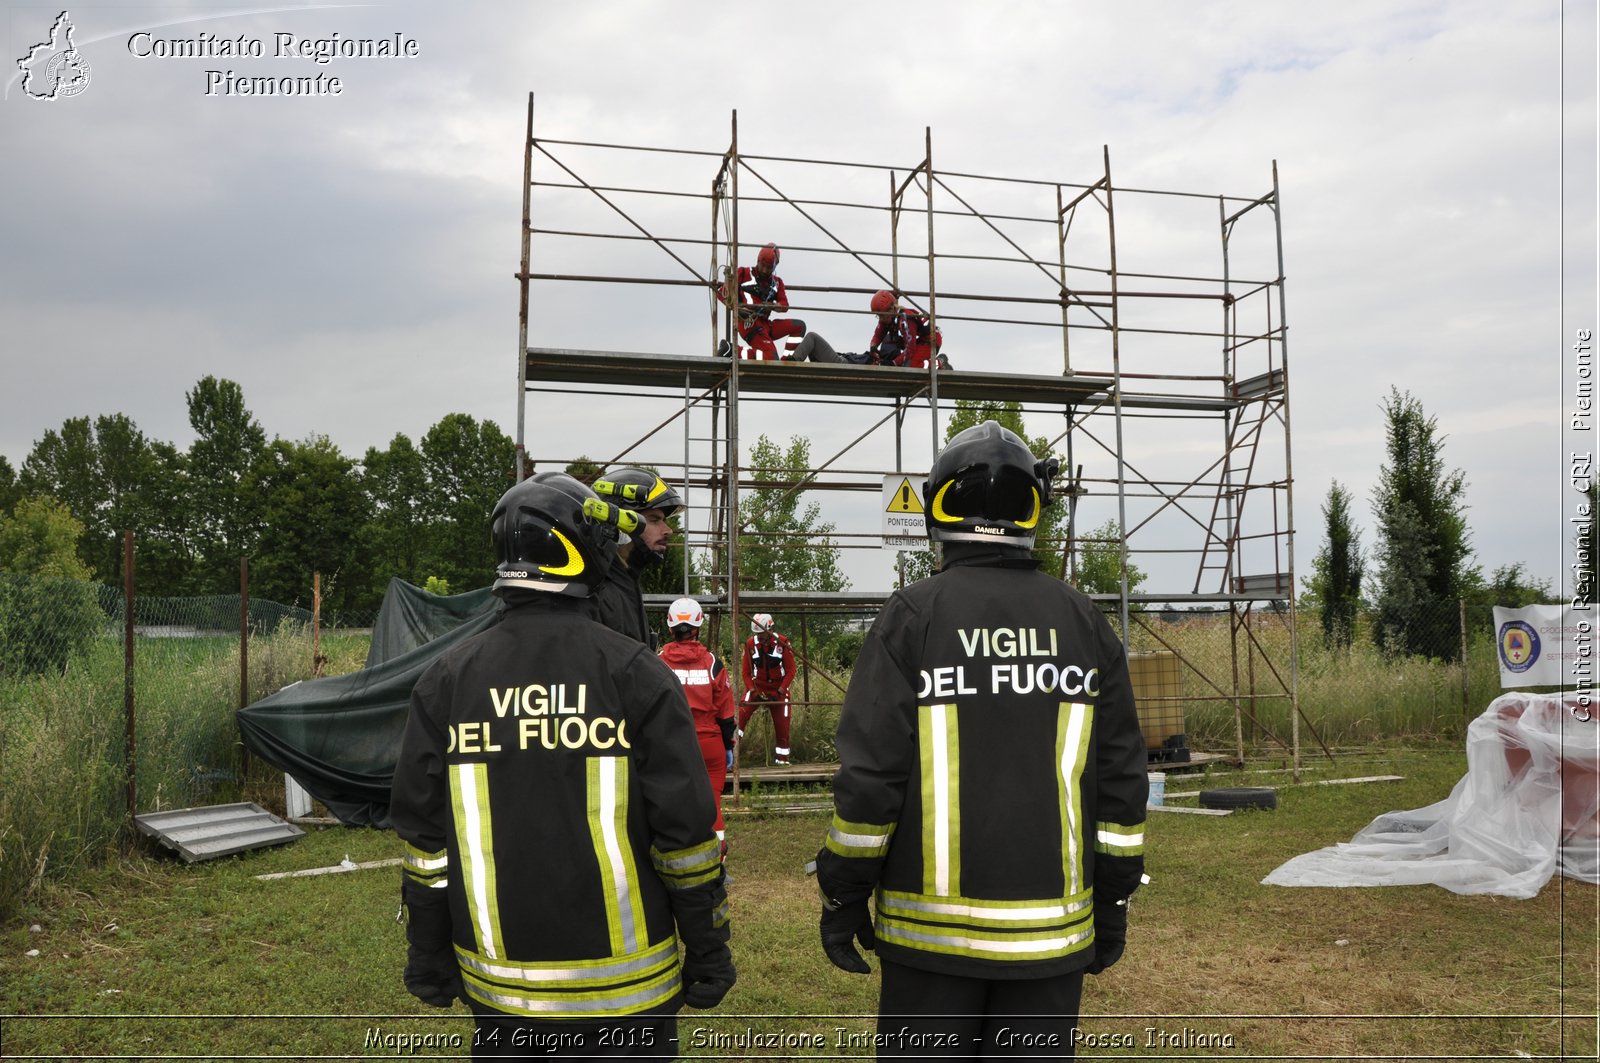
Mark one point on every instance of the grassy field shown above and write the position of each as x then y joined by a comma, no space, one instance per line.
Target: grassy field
148,958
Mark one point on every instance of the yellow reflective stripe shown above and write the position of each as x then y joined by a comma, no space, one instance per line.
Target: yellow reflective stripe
940,748
988,944
469,801
574,562
556,1004
996,915
1034,519
1074,724
580,973
937,509
682,869
858,839
425,868
1118,840
608,829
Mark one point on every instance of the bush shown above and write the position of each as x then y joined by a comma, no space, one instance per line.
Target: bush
45,622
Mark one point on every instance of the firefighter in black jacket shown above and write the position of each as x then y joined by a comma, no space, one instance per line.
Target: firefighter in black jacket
655,501
556,818
991,787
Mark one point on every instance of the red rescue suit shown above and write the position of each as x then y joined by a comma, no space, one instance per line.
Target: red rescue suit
710,696
756,325
908,338
768,672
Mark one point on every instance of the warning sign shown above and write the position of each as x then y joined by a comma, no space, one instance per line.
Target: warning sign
903,527
907,499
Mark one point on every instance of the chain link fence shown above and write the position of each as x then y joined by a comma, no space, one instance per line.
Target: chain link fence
75,747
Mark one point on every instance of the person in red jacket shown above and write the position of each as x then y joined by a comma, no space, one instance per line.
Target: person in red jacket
903,336
768,671
762,294
709,692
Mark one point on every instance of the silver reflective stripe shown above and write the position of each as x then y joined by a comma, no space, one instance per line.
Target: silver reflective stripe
940,769
965,943
619,1003
621,886
691,858
1077,723
480,856
1120,838
858,841
597,970
983,911
423,864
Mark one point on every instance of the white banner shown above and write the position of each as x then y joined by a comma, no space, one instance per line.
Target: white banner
904,527
1545,645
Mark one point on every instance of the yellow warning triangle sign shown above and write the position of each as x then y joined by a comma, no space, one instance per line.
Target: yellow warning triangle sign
905,499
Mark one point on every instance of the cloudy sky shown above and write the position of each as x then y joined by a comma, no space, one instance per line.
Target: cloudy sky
348,258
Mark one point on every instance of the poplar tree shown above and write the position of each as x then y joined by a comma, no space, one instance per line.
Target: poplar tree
1338,569
1423,549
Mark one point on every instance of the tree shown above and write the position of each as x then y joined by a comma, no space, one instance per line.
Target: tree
1423,549
10,490
40,538
469,466
784,546
114,479
224,516
48,609
313,508
1337,571
396,531
1100,562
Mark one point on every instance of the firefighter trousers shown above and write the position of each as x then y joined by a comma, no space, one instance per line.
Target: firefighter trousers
925,1015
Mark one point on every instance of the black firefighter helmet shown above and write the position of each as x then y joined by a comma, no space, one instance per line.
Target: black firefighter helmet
638,490
987,487
554,534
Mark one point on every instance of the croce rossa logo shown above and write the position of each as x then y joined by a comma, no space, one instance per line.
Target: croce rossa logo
54,69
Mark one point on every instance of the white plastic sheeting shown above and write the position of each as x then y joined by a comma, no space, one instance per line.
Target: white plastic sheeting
1528,808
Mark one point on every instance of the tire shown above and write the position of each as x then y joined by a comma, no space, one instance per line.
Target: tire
1240,797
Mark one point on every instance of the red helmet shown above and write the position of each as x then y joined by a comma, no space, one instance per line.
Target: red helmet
767,259
884,302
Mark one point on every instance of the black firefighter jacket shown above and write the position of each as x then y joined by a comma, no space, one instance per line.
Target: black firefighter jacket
621,604
550,782
992,779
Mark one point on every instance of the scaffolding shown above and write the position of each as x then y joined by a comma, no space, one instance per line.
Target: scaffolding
1159,314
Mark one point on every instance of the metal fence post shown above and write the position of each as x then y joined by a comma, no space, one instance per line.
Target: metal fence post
1466,673
244,657
131,766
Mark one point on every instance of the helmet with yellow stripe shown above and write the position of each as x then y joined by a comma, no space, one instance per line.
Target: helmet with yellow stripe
638,490
553,534
987,487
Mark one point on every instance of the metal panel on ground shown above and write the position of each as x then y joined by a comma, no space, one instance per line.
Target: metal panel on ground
220,830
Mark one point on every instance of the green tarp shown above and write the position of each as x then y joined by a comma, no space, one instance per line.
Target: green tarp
339,737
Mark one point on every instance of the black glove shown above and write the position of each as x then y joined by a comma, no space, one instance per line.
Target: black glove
433,977
1110,935
842,924
707,979
432,974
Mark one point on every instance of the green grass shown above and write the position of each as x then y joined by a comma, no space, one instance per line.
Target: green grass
63,743
148,957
